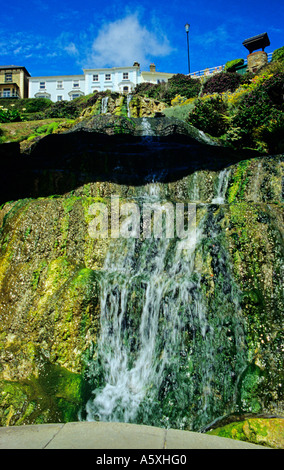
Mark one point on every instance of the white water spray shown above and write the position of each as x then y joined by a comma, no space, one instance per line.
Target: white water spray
223,181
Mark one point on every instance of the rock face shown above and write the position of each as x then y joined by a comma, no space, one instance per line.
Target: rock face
135,106
266,432
145,107
52,271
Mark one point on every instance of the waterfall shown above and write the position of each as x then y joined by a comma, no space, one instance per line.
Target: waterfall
128,99
195,188
170,351
157,357
255,188
223,181
134,365
104,105
147,130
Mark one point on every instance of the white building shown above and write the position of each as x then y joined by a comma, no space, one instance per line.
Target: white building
58,88
119,79
69,87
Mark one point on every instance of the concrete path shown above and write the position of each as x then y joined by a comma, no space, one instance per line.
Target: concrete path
94,435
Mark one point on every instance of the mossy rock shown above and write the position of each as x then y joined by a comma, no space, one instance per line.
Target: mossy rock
261,431
56,395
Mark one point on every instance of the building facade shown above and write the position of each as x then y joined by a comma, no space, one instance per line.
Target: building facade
14,81
155,77
117,79
57,88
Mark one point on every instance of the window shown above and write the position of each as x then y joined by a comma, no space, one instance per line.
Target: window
76,84
59,85
125,75
95,77
125,89
59,97
75,95
107,76
42,85
6,93
8,77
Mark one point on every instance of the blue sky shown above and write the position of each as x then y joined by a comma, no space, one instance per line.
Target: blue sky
61,38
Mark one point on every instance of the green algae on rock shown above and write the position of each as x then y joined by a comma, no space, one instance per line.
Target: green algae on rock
266,432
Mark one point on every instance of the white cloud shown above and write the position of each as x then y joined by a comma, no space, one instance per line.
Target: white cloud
121,42
71,49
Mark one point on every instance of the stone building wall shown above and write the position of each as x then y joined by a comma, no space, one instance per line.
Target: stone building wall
256,60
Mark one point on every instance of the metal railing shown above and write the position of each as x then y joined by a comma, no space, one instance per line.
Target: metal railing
219,68
5,94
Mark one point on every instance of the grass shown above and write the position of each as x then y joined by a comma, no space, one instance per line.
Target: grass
27,130
180,112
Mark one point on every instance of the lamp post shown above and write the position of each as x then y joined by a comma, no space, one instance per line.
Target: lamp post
187,30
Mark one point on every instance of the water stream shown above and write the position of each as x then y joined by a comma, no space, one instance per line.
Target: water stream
104,105
223,180
169,354
128,99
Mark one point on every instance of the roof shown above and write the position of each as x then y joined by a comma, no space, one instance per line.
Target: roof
257,42
9,67
57,77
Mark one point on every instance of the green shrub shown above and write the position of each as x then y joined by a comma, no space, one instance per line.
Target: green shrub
273,134
222,82
46,129
278,54
233,64
35,105
259,114
63,109
144,88
273,87
209,116
183,85
9,115
179,84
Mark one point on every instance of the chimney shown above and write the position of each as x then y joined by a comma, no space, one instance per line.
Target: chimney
152,68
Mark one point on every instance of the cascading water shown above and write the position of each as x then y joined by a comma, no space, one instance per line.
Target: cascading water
223,181
135,364
104,104
165,357
128,99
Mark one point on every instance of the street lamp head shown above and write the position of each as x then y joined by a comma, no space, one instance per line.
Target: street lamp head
187,27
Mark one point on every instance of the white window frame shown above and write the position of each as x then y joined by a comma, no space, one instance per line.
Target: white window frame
59,98
59,85
42,85
8,77
108,77
125,76
95,77
76,83
7,93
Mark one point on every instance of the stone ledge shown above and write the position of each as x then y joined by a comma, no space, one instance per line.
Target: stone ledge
99,435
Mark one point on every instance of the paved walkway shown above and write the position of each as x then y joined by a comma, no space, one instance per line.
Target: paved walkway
94,435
